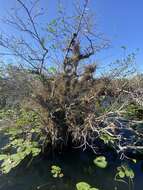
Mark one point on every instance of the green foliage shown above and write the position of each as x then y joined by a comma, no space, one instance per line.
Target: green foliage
134,161
56,171
107,138
125,171
84,186
24,138
27,118
52,70
21,150
7,113
51,28
134,111
100,162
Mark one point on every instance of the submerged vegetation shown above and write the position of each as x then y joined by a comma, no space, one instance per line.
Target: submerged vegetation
45,108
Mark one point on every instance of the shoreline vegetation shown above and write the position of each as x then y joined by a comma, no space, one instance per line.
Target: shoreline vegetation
41,123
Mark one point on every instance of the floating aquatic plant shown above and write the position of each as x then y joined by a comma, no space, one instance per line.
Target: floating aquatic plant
84,186
56,171
100,162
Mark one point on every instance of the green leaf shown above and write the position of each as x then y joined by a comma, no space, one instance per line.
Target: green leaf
3,156
82,186
121,174
6,169
125,171
51,29
52,70
100,162
53,22
56,171
35,151
129,173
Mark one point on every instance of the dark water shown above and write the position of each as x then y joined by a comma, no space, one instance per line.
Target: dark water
76,167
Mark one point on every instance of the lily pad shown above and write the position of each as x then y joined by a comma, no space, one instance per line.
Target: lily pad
121,174
84,186
100,162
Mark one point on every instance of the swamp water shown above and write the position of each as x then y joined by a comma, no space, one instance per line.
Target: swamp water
76,167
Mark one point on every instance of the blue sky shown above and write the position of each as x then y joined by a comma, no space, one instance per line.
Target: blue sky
119,20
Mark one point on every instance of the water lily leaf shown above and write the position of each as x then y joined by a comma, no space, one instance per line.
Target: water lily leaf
134,160
56,171
3,156
53,22
35,151
100,162
6,169
129,173
132,175
125,171
82,186
56,168
121,174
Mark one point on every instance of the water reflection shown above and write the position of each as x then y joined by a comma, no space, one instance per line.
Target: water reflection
77,167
